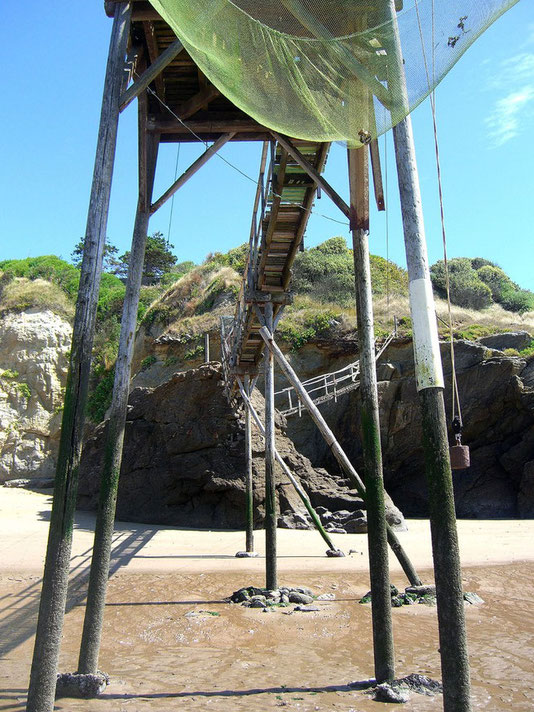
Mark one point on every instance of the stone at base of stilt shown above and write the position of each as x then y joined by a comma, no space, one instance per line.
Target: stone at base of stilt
388,693
335,553
246,554
77,684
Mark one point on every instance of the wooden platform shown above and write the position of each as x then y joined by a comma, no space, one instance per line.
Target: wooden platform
288,193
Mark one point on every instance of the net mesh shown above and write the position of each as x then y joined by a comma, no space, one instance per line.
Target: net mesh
328,70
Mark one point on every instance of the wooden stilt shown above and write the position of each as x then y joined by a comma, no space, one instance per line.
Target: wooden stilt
96,595
207,347
270,487
336,450
42,686
332,550
249,482
384,657
429,380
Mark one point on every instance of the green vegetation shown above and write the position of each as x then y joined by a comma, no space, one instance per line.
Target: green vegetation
477,283
302,325
147,362
10,374
327,273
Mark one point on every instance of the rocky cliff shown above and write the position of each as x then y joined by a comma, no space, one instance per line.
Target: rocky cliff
184,463
497,401
34,347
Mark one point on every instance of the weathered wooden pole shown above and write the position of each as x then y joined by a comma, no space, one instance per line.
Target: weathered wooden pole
337,450
249,487
270,487
332,550
109,483
384,654
207,347
42,686
430,385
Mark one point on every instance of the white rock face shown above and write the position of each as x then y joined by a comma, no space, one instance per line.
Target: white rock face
34,350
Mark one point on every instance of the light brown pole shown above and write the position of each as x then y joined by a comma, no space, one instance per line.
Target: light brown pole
109,483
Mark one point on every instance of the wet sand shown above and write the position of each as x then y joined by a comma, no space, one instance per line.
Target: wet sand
170,643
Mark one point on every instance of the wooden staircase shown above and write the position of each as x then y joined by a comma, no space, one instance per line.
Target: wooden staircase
285,195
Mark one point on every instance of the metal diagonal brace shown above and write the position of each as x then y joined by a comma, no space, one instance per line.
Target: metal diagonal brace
301,493
193,168
150,74
314,175
337,450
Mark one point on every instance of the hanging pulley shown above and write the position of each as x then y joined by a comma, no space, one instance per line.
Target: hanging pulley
459,453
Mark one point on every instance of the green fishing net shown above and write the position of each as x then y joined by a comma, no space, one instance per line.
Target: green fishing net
328,70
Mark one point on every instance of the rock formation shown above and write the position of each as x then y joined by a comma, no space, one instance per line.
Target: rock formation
184,462
497,401
34,347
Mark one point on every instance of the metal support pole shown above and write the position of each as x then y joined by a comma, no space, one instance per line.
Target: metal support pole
429,381
249,482
384,654
207,347
98,579
42,688
270,488
337,450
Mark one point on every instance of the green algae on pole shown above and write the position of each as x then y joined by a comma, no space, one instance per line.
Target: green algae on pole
270,487
384,654
42,688
98,578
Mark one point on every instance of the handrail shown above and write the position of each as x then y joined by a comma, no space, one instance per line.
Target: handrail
333,380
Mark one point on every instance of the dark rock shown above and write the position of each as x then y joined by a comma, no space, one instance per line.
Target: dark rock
421,590
332,529
184,461
246,555
525,497
306,609
387,693
296,597
257,602
497,399
356,526
510,340
85,685
473,598
421,684
335,553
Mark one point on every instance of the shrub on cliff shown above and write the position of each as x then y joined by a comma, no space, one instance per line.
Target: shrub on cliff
476,283
326,272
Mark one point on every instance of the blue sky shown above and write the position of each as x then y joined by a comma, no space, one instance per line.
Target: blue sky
53,63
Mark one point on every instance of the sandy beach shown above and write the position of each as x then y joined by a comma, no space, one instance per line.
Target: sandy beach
171,643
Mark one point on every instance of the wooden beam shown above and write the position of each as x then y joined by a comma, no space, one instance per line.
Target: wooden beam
198,101
312,172
173,126
336,449
153,54
193,168
377,175
150,74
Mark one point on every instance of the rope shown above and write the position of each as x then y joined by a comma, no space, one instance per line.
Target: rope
238,170
455,395
173,195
